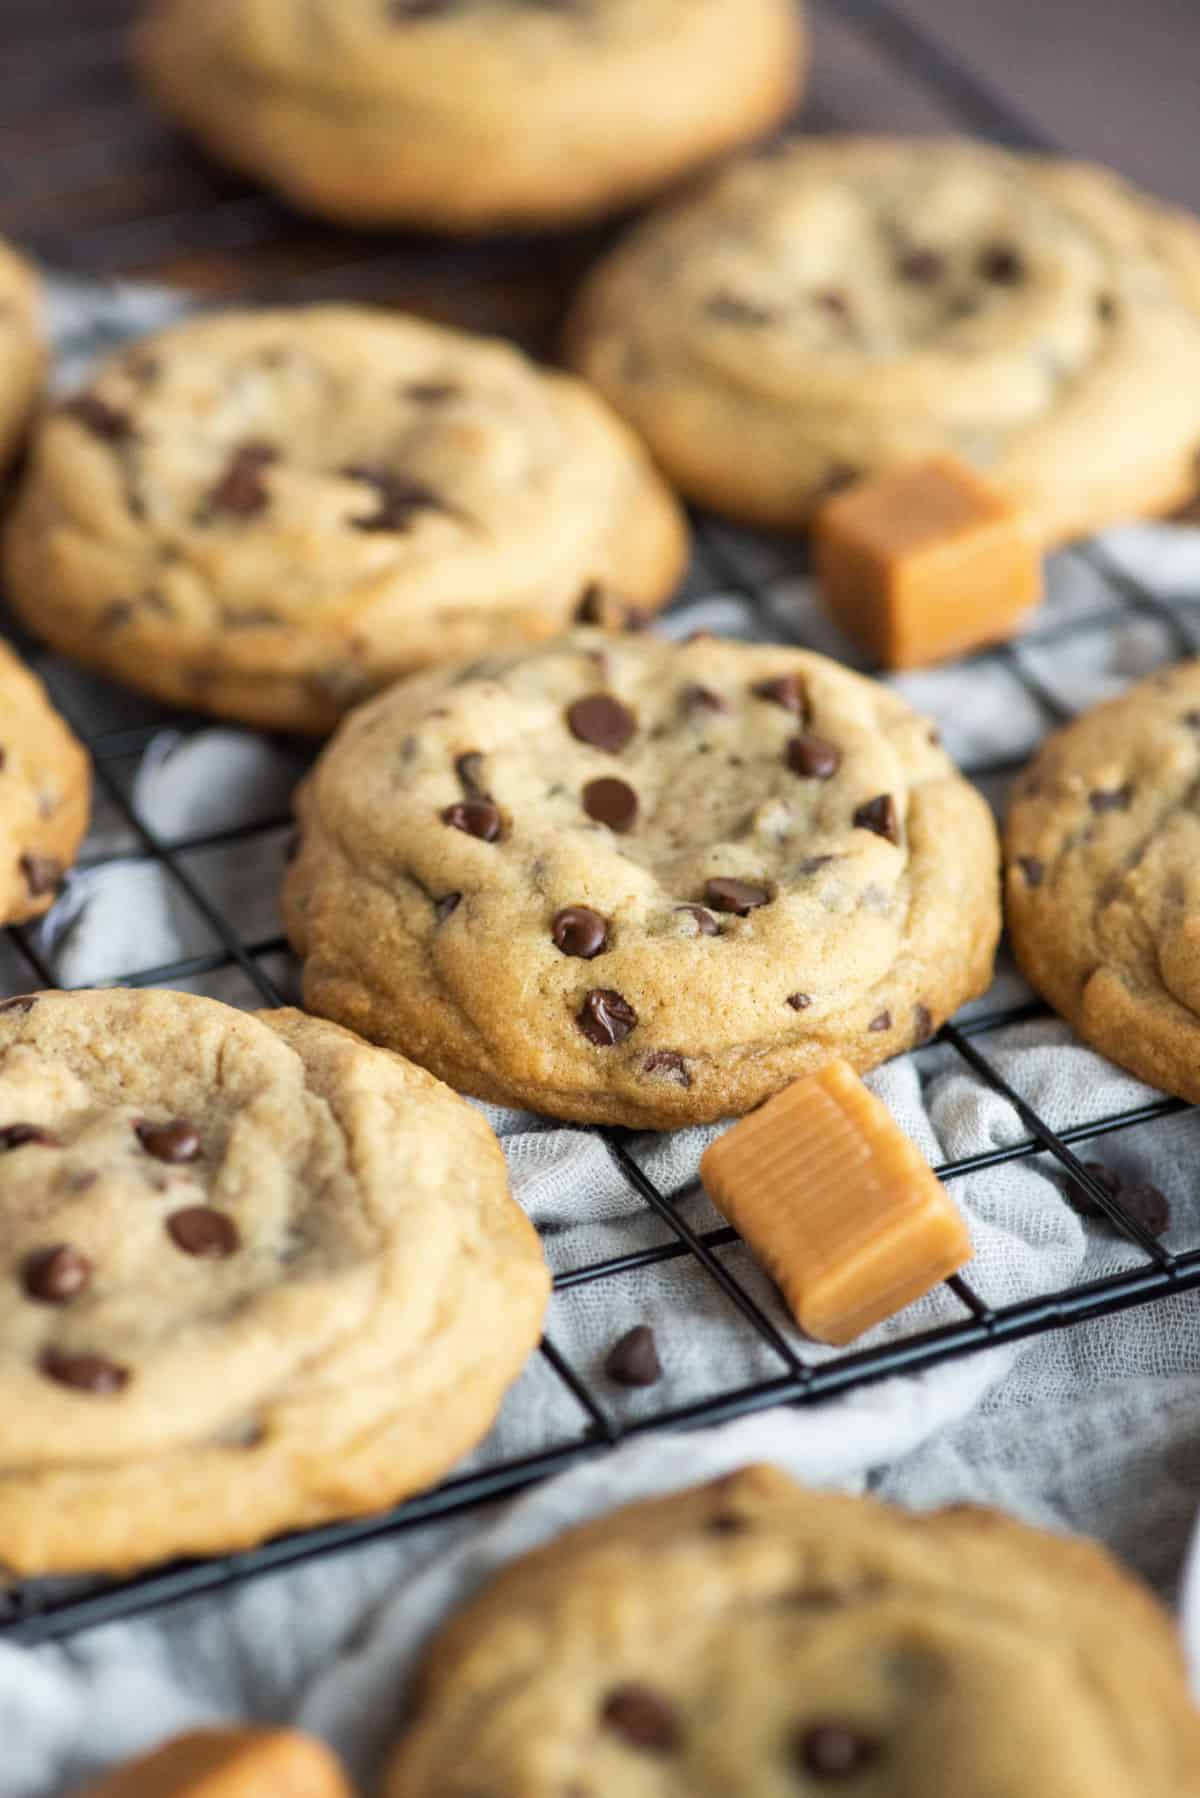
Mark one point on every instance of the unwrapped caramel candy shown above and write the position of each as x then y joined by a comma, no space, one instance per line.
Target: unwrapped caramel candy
925,563
837,1204
229,1763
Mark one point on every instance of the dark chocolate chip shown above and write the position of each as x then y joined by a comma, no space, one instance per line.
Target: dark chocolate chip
923,267
730,309
666,1061
1000,263
706,924
799,1001
922,1023
642,1718
477,817
879,814
56,1275
703,699
786,690
431,393
1118,799
612,802
401,498
882,1021
101,419
87,1373
203,1231
606,1018
23,1002
580,931
738,896
728,1523
43,874
833,1751
813,757
1146,1203
633,1361
469,769
242,488
1033,870
1192,720
442,908
602,721
175,1142
16,1136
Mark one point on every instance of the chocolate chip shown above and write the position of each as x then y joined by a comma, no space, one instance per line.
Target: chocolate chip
706,924
43,874
431,393
923,267
606,1018
242,489
812,864
23,1002
1116,800
1106,308
882,1021
879,815
203,1231
730,309
88,1373
728,1523
101,419
602,721
478,817
666,1061
401,498
1147,1204
610,801
580,931
442,908
469,769
642,1718
738,896
599,605
922,1024
1000,263
833,301
799,1001
786,690
16,1136
633,1361
702,699
1192,720
175,1142
813,757
1033,870
833,1751
56,1275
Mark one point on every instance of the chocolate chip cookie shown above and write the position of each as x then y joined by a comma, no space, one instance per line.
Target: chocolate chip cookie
469,115
269,515
22,357
751,1637
623,880
45,794
1103,877
256,1275
848,305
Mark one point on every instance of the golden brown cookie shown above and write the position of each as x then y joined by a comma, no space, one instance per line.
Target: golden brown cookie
750,1637
22,355
623,880
45,794
257,1275
269,515
469,115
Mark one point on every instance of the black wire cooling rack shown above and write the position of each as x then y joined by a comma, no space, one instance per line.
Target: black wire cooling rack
44,1610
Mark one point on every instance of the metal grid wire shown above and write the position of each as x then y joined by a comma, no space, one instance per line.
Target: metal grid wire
43,1610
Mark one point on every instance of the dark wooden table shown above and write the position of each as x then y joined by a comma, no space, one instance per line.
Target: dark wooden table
92,181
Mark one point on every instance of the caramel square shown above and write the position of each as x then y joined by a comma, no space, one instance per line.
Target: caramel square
925,563
229,1763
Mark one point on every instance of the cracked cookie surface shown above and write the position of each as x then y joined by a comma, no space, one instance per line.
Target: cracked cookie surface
45,794
751,1637
257,1275
269,515
843,306
468,115
622,880
1102,845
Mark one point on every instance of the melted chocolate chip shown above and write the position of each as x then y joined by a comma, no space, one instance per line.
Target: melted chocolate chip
727,1523
1000,263
431,393
737,896
87,1373
401,498
56,1275
1146,1203
16,1136
922,267
580,931
879,814
642,1718
242,488
799,1001
633,1361
23,1002
1033,870
606,1018
1116,800
612,802
883,1021
101,419
706,924
442,908
922,1024
602,721
43,874
730,309
786,690
667,1062
203,1231
175,1142
703,699
469,769
477,817
833,1751
813,758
